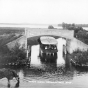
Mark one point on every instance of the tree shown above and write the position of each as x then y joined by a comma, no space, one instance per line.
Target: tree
19,52
50,27
64,25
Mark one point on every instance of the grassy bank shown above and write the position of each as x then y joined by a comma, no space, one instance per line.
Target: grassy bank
79,58
8,34
10,30
13,57
82,35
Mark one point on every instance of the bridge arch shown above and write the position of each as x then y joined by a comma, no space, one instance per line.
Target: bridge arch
33,35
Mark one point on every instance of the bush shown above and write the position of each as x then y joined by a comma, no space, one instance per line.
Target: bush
83,36
80,57
18,52
50,27
13,55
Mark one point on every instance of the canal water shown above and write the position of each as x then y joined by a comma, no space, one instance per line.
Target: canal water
58,75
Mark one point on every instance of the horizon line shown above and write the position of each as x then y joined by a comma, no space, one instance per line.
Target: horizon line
26,24
38,24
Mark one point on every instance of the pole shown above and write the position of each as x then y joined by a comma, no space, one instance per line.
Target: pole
26,46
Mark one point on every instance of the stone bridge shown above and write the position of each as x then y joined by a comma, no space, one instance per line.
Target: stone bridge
32,34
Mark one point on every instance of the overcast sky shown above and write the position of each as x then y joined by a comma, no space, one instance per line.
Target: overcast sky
44,11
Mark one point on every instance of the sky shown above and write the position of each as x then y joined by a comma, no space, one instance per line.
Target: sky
44,11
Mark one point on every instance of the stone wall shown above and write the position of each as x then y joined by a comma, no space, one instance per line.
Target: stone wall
74,44
22,41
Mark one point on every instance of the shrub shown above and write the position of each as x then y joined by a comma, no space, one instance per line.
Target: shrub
13,55
18,52
83,36
50,27
80,57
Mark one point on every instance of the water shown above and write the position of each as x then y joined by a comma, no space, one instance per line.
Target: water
53,72
57,75
30,25
63,77
35,60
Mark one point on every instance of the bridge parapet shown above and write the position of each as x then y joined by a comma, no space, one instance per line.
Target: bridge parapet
30,32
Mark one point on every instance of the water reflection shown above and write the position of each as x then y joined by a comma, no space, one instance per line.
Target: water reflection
52,73
35,74
39,62
35,61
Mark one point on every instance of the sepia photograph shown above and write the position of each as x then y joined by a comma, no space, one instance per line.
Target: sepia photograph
43,43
